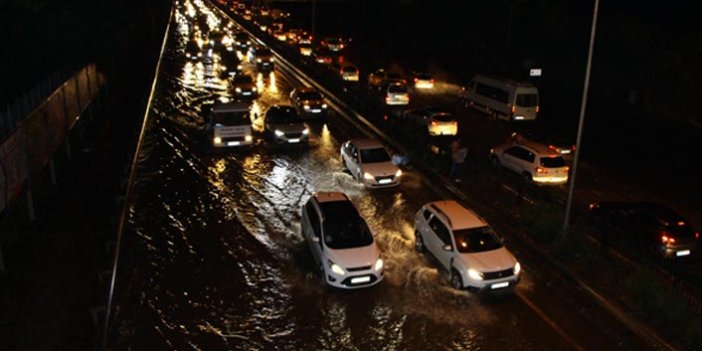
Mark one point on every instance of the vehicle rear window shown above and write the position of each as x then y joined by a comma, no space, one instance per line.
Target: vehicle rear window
343,226
443,118
231,118
374,155
397,88
552,162
527,100
476,240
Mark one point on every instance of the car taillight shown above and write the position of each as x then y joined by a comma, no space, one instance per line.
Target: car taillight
667,239
514,109
537,108
416,80
434,124
541,170
455,123
697,235
552,147
385,117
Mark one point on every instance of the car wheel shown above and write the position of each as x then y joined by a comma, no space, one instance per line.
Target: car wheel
419,243
456,281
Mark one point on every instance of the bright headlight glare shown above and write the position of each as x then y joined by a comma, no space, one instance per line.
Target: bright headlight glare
475,275
379,264
517,268
306,131
248,138
306,107
368,176
398,173
238,90
258,60
253,89
217,140
278,133
336,268
324,105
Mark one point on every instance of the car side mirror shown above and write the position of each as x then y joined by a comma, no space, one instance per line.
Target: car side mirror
448,248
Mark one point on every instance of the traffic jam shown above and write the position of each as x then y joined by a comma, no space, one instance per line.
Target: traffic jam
290,199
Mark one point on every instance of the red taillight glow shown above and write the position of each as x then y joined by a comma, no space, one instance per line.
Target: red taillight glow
697,235
514,109
667,239
385,117
537,108
541,170
455,123
416,80
434,124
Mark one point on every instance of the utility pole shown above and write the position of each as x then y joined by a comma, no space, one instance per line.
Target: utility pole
581,121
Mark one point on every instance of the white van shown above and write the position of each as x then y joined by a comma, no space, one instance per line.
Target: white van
502,98
230,124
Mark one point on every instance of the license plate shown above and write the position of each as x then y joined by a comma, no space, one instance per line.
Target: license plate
316,110
499,285
233,143
293,140
247,93
683,253
358,280
384,181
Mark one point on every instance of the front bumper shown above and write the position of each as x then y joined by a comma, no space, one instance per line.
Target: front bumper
357,280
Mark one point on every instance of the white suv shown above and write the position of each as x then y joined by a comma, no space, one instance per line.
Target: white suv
535,162
466,246
369,162
341,241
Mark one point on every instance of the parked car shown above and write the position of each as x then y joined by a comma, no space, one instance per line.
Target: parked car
466,246
435,120
308,102
284,126
341,242
370,163
650,226
536,163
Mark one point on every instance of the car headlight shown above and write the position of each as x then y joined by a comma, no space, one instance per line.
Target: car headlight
258,60
278,133
271,59
248,138
217,140
336,268
306,131
324,105
475,275
398,174
238,90
368,176
253,89
306,107
223,67
379,264
517,268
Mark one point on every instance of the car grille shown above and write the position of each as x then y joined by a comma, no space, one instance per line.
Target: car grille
356,269
232,139
347,281
498,274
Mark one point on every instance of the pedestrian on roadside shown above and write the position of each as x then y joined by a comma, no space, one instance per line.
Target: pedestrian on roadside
458,156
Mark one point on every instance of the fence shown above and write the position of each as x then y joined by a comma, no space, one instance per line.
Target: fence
29,135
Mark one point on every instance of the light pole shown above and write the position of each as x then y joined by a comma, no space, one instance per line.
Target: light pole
581,121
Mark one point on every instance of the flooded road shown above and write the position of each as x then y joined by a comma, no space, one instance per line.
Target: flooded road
212,256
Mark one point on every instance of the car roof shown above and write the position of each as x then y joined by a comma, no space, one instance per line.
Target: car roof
328,196
458,216
366,143
541,149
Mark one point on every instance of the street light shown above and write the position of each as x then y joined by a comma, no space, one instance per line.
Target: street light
581,121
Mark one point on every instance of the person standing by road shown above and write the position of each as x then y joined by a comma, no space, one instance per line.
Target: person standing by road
458,156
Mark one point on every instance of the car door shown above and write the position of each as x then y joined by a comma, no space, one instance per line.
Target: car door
437,239
312,230
510,157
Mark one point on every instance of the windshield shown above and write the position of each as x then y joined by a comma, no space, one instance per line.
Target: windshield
527,100
231,118
343,227
283,115
476,240
374,155
552,162
397,88
310,95
243,80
